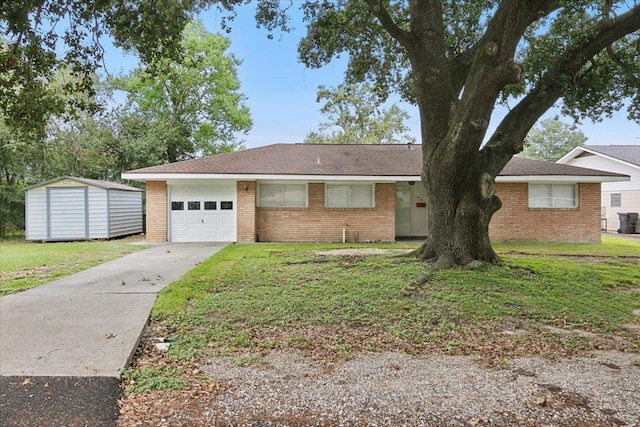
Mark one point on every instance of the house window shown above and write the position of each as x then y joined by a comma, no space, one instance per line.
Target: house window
177,206
553,195
226,206
349,195
616,200
193,206
210,206
282,195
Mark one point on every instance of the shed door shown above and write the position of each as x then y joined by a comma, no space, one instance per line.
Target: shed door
67,219
203,213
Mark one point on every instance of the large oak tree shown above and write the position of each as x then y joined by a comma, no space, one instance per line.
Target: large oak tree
455,59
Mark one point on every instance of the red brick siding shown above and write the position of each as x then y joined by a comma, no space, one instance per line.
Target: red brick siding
318,223
156,202
515,221
246,213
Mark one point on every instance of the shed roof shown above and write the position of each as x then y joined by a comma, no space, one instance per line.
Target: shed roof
383,160
107,185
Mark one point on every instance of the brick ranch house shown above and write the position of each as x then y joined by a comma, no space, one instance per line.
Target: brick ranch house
309,192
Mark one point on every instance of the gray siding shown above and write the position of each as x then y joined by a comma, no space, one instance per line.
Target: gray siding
98,214
70,209
36,214
125,212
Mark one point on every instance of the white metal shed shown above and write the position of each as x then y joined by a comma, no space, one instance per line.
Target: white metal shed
70,208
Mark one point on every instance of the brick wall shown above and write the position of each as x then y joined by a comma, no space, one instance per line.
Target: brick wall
515,221
246,213
318,223
156,209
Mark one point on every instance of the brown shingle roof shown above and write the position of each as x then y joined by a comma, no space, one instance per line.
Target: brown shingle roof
341,160
521,166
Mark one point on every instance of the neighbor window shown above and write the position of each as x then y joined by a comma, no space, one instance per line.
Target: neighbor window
282,195
616,200
349,195
553,195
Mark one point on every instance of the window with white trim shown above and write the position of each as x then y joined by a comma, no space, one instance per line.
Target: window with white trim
616,200
282,195
553,195
349,195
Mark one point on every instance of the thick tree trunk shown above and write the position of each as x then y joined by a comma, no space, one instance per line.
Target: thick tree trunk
462,203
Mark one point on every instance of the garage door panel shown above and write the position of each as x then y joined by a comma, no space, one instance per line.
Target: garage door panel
208,215
227,219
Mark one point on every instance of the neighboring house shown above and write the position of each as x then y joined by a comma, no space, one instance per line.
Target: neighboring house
309,192
70,208
618,196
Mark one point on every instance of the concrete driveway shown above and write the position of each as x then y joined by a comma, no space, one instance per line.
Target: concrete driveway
89,324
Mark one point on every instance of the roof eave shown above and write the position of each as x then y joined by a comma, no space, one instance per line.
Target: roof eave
257,177
377,178
582,149
562,178
575,152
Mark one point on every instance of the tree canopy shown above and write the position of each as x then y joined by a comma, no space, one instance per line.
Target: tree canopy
355,115
39,37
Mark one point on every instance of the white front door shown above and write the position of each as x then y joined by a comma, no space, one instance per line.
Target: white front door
412,213
203,213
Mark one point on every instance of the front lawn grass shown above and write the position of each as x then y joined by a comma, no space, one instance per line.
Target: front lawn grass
544,300
24,264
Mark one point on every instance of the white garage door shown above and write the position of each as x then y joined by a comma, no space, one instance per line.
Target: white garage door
203,213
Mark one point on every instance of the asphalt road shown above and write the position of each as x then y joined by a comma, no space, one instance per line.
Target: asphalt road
59,401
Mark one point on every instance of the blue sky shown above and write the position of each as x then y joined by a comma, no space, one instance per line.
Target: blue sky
281,91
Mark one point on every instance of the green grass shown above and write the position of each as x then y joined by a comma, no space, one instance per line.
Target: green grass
150,378
248,299
24,265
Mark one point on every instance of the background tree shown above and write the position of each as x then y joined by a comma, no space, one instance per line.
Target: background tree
13,160
194,101
356,116
98,146
551,139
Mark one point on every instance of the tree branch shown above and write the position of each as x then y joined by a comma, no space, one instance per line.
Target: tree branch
508,137
626,68
459,67
387,22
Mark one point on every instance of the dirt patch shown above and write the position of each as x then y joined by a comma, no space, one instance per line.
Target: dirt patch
347,252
